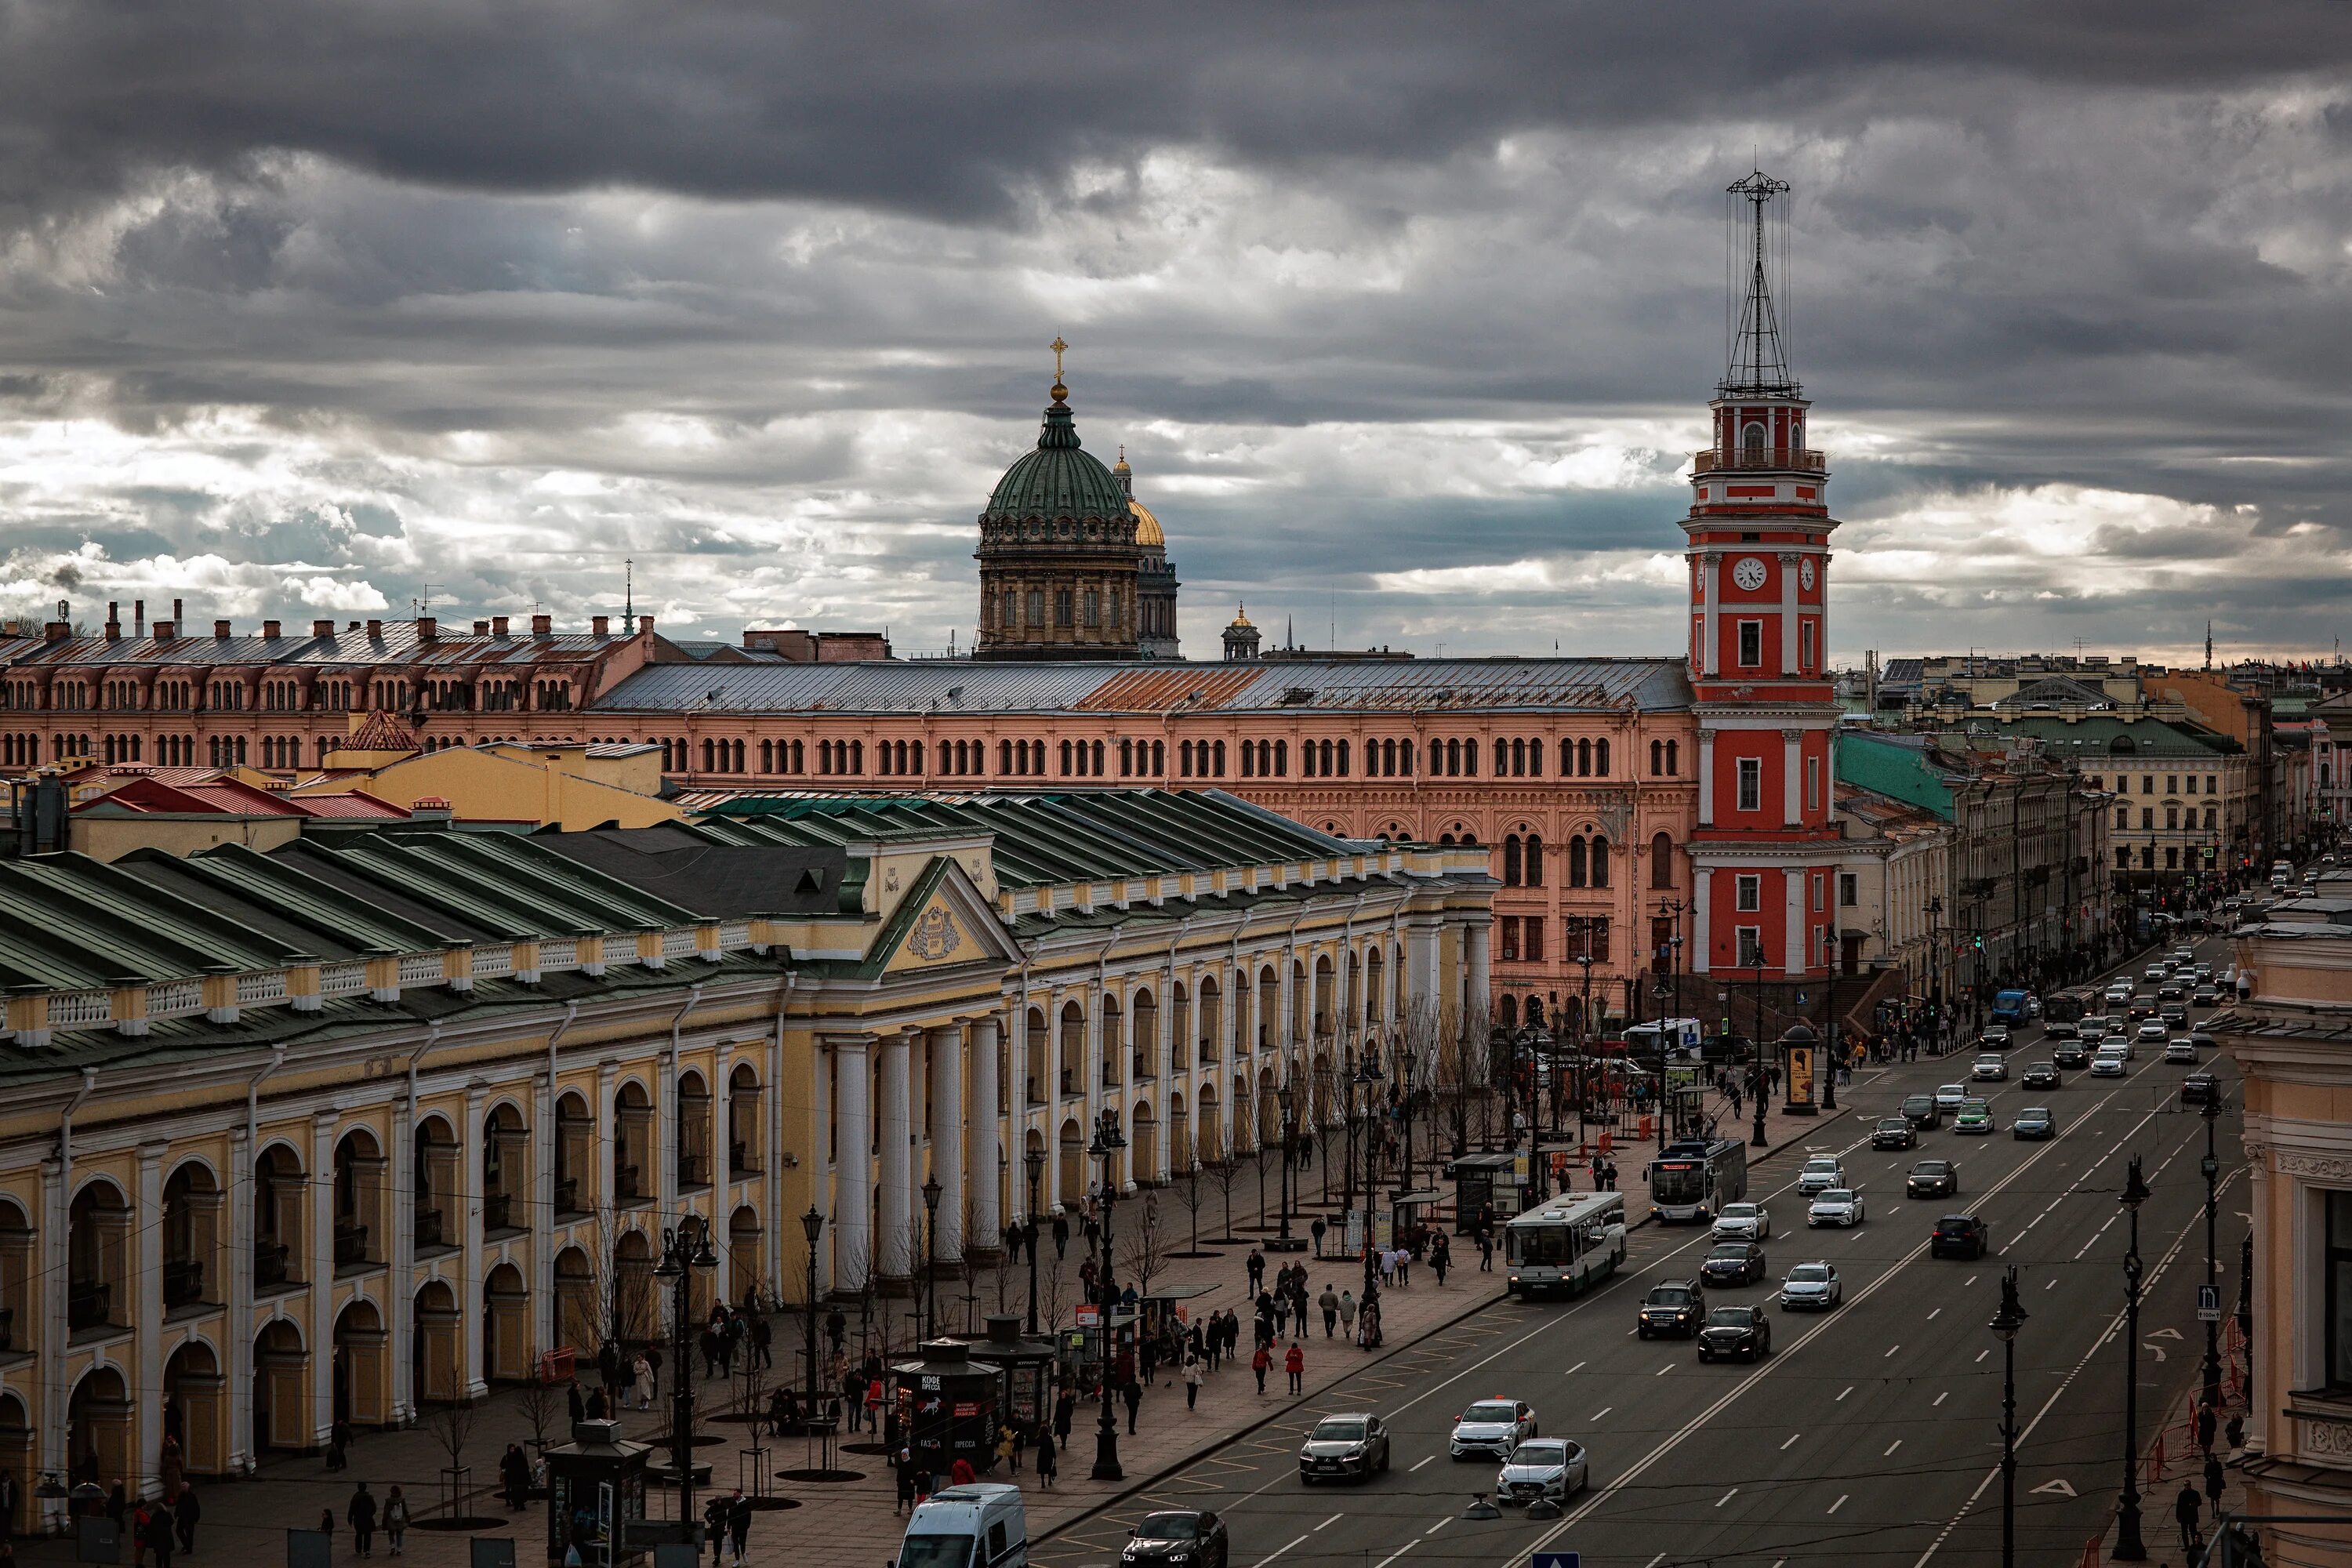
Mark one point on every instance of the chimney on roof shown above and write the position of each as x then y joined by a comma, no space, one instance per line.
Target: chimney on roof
375,631
428,628
138,618
322,628
166,631
269,629
114,620
179,615
220,628
542,625
645,626
498,626
57,631
601,625
481,628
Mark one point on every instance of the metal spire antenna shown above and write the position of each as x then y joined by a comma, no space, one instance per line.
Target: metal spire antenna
1758,363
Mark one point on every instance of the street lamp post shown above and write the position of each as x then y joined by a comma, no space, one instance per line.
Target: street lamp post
1584,1040
1408,1088
1036,1162
812,1227
1286,1097
683,1252
1107,1142
1755,1074
1348,1165
2210,1166
1367,1076
2129,1547
2006,1322
931,1258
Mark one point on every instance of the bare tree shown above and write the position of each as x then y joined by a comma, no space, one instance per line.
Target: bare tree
1143,1255
451,1425
538,1402
1224,1170
1192,1193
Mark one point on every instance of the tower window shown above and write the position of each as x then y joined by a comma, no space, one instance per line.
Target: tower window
1063,607
1753,438
1804,645
1094,608
1751,784
1751,643
1036,606
1747,893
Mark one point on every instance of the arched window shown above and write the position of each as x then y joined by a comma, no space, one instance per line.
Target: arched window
1343,759
1502,757
1282,759
1584,759
1576,862
1511,860
1662,860
1510,1011
1753,439
1519,757
1600,757
1066,759
1535,860
1601,862
1404,759
1674,759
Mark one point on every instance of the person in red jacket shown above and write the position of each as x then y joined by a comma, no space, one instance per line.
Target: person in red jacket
1295,1364
1260,1363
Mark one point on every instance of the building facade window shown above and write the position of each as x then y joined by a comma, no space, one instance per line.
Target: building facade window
1751,947
2336,1264
1747,893
1751,784
1849,890
1751,643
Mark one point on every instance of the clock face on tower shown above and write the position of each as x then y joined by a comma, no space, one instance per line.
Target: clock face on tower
1805,572
1748,572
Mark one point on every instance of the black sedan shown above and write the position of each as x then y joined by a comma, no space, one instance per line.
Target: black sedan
1733,1263
2199,1087
1180,1537
2034,1122
1922,1111
2039,1075
1342,1447
1672,1308
1742,1331
1932,1179
2073,1054
1895,1133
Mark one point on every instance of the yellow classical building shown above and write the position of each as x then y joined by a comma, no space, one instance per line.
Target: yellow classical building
370,1119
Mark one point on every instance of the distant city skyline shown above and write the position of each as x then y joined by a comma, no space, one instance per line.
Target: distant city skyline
1404,319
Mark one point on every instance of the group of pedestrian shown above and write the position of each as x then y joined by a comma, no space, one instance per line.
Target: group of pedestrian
728,1333
364,1515
726,1522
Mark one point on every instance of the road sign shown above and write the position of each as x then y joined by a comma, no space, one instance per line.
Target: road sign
2208,1303
1089,1316
1557,1559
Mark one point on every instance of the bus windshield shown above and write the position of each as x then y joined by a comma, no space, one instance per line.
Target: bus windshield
1677,1181
2067,1007
1536,1243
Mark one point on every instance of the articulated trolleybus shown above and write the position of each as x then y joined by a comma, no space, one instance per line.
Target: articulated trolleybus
1575,1240
1692,1181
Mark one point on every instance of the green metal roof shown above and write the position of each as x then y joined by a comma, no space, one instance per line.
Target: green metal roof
1058,479
2093,737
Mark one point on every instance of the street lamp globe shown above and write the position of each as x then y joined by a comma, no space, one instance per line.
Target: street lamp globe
813,1224
932,1196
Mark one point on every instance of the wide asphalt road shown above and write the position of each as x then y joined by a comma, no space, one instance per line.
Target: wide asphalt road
1871,1433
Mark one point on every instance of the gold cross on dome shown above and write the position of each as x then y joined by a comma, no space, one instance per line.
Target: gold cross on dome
1058,345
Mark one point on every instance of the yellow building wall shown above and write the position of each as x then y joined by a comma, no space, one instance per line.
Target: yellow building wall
483,786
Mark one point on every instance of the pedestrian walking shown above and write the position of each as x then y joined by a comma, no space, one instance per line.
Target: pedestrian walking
1065,1412
187,1513
1486,1250
396,1520
514,1477
1293,1363
1191,1381
641,1373
339,1437
903,1465
156,1527
1329,1302
2217,1481
1133,1394
360,1512
1315,1230
1260,1363
739,1525
2205,1424
762,1344
2185,1509
1440,1256
1048,1464
1255,1266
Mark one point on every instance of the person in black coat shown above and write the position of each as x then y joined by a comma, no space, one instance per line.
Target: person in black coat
186,1513
360,1514
514,1476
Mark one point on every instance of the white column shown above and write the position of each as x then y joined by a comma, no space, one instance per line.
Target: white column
987,1119
147,1428
1706,778
1788,613
1710,639
1164,1069
1478,944
468,1262
1795,878
399,1291
543,1212
49,1285
319,1226
824,1149
853,1164
1702,901
1055,1110
947,1139
1792,774
894,1089
1230,1064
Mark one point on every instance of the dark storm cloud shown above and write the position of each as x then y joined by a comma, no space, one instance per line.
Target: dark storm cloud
492,297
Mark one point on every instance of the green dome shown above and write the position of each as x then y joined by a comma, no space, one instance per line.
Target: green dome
1057,479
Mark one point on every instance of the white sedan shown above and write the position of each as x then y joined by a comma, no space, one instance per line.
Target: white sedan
1839,1206
1743,1222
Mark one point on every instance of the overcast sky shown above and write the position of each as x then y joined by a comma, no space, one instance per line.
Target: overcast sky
1406,314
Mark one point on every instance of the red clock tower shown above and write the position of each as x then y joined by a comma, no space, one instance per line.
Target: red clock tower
1764,851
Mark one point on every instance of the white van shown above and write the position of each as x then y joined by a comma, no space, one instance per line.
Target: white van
976,1526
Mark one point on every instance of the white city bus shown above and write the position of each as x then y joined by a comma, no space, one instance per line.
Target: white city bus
1575,1240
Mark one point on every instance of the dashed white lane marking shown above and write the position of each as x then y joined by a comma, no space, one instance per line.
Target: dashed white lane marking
2053,1283
1982,1354
1398,1552
1726,1497
1934,1315
1890,1351
1939,1399
1276,1553
1841,1501
1424,1462
1602,1411
1571,1371
1891,1448
1840,1398
1792,1437
1333,1519
1654,1561
1969,1281
1441,1524
1665,1369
